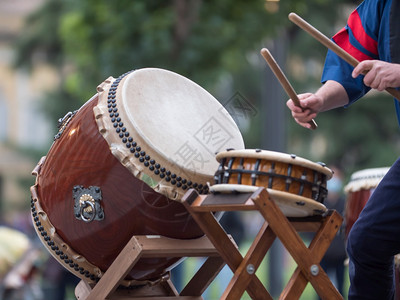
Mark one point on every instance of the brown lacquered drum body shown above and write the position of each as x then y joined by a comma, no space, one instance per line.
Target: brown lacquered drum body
297,184
119,166
360,188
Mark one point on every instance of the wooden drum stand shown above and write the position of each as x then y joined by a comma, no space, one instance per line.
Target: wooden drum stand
221,249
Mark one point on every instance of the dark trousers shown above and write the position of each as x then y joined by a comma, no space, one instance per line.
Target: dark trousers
374,240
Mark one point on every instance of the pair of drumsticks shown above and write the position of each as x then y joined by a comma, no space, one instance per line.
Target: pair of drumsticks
323,40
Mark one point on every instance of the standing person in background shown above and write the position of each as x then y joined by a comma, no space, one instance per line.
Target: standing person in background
372,35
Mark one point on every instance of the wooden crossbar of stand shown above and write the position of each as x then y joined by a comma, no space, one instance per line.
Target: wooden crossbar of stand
276,225
138,247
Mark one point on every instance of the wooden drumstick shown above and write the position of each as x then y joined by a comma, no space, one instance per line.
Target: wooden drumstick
327,42
283,81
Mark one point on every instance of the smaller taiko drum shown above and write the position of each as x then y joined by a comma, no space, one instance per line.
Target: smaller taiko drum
359,189
296,184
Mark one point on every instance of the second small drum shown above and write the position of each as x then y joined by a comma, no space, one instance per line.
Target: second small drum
297,184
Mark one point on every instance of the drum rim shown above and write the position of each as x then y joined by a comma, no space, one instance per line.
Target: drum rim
365,179
139,129
276,156
171,183
293,201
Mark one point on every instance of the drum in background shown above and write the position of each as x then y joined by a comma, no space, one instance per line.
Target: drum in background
297,184
119,167
359,189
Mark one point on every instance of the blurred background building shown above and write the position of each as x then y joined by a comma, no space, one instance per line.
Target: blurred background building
23,128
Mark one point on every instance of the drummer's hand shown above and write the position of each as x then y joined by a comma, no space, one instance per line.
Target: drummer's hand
310,106
379,74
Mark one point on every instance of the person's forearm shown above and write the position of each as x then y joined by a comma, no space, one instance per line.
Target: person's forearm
333,95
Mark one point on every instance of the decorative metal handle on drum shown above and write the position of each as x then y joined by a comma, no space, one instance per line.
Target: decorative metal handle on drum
87,203
63,122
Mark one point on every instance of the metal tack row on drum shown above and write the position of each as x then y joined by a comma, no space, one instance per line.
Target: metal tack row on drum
120,165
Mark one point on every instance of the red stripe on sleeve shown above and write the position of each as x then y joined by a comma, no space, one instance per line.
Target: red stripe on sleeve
362,37
342,39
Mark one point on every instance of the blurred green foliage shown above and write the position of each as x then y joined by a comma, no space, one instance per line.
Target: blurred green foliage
208,42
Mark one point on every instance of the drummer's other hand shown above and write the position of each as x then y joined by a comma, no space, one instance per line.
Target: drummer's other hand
378,74
304,114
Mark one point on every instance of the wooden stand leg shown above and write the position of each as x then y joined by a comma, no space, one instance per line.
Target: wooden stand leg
142,247
228,251
307,259
117,271
204,276
250,263
276,225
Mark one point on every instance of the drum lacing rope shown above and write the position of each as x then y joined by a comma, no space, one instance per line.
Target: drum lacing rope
319,192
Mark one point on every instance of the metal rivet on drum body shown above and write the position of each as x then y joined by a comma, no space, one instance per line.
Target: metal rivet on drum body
271,177
289,179
254,174
240,167
303,178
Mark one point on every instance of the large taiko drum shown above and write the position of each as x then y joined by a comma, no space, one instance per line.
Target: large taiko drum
296,184
358,191
119,167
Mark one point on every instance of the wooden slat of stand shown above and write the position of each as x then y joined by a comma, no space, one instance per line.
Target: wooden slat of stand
156,246
275,225
307,259
230,253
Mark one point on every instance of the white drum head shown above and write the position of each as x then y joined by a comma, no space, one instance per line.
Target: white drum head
177,124
365,179
291,205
